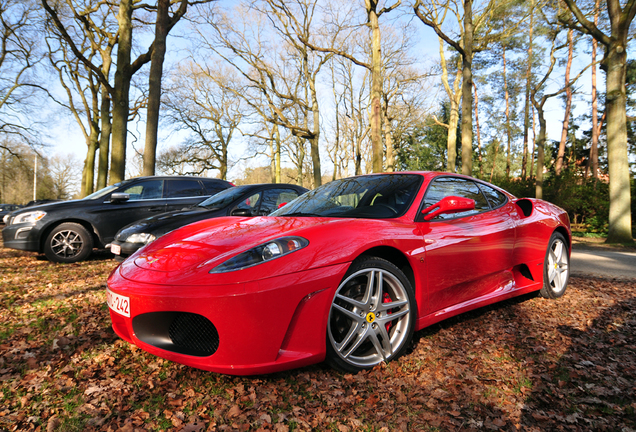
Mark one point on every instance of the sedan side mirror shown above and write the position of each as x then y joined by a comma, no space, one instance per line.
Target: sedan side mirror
118,197
241,212
449,204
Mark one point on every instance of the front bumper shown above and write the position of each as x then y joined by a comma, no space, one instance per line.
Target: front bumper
22,237
263,326
127,248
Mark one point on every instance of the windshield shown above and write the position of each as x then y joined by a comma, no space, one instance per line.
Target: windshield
105,191
372,197
224,198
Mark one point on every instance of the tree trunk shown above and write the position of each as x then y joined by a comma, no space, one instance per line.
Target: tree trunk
301,161
540,154
104,139
376,86
568,105
88,176
479,155
593,157
121,93
272,161
467,91
534,141
388,139
315,141
277,178
526,112
507,113
154,86
454,97
620,224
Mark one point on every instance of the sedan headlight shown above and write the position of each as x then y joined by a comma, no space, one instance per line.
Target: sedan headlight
262,253
29,217
144,238
6,218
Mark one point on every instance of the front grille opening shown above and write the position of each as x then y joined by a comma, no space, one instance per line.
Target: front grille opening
179,332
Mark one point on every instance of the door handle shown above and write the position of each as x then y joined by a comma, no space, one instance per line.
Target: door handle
155,209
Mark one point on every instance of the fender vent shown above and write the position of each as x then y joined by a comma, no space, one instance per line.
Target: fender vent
525,206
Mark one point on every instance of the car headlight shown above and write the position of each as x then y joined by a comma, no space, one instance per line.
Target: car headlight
266,252
144,238
31,217
6,218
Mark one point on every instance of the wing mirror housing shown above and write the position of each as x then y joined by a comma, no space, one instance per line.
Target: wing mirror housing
119,197
449,204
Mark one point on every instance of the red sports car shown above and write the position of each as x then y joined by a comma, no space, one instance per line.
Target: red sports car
346,272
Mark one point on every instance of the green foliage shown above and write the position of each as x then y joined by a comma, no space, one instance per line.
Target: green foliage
425,148
585,200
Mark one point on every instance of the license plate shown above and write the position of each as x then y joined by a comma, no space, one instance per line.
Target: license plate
116,249
118,303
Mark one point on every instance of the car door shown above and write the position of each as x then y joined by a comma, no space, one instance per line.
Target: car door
183,193
145,199
469,254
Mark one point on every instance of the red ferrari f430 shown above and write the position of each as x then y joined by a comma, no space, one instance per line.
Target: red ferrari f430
345,273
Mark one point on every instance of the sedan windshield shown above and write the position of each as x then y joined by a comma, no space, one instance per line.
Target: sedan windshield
224,198
372,197
100,193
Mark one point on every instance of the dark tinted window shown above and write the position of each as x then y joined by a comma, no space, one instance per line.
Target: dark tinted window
183,188
214,186
250,203
150,189
272,198
449,186
496,198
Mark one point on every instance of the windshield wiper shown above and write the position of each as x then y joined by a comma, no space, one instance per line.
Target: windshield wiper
301,214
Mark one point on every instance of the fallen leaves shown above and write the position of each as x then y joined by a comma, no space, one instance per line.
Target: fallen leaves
525,364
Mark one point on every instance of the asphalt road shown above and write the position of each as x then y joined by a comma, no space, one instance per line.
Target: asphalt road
603,263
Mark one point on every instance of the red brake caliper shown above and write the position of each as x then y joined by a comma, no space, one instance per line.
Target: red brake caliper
386,298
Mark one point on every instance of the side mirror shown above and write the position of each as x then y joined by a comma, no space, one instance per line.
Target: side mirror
241,212
282,205
449,204
119,197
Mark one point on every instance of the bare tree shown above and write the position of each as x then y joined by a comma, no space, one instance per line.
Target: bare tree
19,57
95,36
65,176
280,86
210,112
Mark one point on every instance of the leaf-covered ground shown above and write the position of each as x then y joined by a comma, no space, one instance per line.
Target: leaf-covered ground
525,364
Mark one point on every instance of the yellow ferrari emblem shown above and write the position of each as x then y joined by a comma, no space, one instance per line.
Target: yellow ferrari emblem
370,317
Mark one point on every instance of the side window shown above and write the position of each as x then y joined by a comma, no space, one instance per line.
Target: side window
495,198
272,198
449,186
250,203
213,186
150,189
183,188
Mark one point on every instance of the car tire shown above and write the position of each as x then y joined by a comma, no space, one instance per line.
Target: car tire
68,242
556,267
372,316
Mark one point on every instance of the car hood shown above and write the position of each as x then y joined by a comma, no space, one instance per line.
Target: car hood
181,255
162,223
56,206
